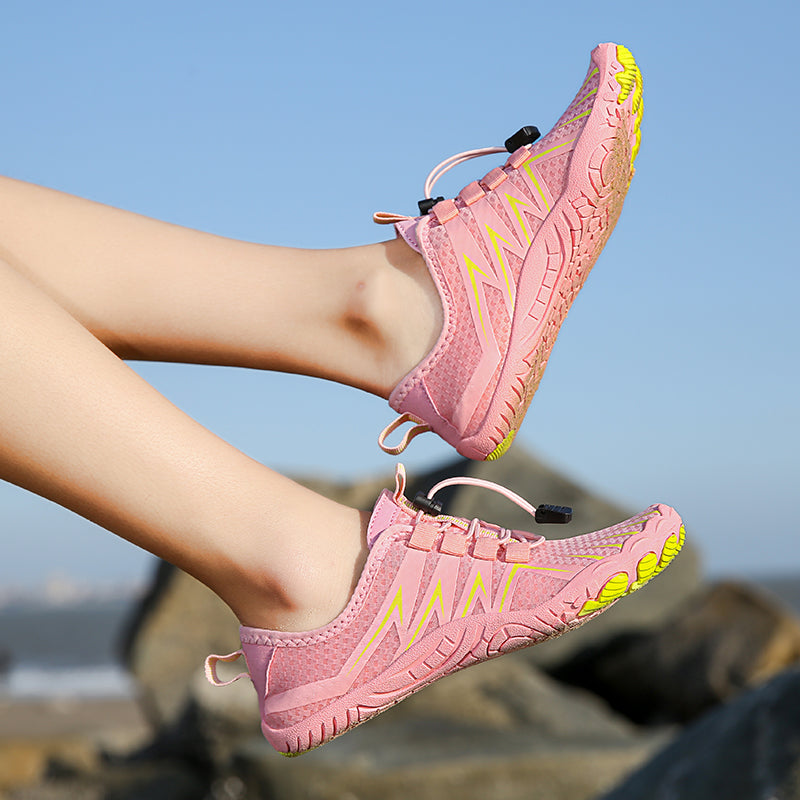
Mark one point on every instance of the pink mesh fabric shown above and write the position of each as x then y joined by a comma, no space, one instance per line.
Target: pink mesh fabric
599,543
444,378
330,655
532,590
501,325
384,655
455,390
413,609
294,715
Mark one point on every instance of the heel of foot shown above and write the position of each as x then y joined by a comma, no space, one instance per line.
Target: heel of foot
621,585
630,82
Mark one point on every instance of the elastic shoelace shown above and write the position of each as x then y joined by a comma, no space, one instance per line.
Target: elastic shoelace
385,218
474,527
459,158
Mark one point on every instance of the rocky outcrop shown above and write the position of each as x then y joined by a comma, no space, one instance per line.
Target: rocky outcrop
503,729
729,637
495,730
747,749
178,624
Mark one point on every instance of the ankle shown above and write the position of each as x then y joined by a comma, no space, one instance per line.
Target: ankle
397,311
306,585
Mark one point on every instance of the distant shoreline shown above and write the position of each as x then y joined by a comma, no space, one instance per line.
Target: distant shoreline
56,650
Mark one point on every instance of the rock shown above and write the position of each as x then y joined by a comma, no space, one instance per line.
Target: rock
494,730
25,761
748,750
181,621
728,638
5,663
210,725
157,780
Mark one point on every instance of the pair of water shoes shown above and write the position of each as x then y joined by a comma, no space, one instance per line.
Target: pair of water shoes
439,593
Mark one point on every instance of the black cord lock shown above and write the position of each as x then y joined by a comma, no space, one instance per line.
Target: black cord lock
427,504
527,135
427,204
559,515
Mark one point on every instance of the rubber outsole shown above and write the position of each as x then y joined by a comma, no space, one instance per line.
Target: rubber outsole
454,646
579,225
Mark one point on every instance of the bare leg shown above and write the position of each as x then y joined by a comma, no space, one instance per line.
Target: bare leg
149,290
80,428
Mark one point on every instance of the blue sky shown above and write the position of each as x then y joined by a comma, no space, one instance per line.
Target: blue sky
675,376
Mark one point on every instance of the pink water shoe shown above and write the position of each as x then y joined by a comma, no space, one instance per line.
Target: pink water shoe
508,256
437,594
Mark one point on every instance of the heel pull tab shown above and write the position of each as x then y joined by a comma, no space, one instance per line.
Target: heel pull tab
418,428
211,668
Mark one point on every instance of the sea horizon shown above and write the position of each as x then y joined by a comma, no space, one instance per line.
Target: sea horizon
61,648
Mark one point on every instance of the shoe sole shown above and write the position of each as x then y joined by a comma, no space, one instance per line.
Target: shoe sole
568,244
460,643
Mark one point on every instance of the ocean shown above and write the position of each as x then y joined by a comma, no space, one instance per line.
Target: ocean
72,650
64,650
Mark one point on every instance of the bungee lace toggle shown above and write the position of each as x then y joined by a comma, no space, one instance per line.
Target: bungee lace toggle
427,504
522,138
543,513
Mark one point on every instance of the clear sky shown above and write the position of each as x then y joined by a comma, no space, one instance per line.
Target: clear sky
675,377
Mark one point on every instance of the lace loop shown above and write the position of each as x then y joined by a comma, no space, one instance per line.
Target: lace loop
475,526
483,484
386,218
211,668
416,430
459,158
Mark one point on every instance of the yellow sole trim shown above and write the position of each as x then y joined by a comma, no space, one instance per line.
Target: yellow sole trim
630,81
645,570
648,567
501,449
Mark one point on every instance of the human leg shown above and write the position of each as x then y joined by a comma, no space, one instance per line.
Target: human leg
437,594
363,316
458,342
121,449
82,429
390,603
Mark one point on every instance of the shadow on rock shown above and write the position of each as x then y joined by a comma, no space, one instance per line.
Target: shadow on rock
728,638
747,750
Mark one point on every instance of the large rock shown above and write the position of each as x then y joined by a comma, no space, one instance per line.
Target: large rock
747,750
729,637
23,762
501,730
156,780
181,621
